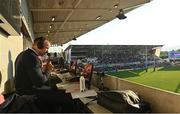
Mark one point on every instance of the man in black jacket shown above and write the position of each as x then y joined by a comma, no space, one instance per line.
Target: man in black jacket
31,78
28,66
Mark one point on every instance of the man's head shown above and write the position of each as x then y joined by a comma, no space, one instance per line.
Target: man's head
41,45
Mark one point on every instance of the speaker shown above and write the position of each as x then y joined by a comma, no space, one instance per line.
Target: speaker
40,42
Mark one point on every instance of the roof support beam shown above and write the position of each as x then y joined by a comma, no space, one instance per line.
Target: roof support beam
69,15
87,9
86,30
70,9
70,21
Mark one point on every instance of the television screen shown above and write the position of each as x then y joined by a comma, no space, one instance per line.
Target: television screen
174,55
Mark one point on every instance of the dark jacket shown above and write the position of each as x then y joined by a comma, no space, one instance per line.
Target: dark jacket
29,80
28,72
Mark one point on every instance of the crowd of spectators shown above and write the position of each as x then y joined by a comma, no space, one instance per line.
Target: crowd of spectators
113,58
114,62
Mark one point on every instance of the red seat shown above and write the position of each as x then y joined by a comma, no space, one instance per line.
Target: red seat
87,73
1,99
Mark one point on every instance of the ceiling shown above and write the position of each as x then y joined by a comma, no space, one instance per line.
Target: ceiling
74,18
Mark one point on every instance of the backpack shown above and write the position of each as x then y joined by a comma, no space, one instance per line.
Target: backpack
122,101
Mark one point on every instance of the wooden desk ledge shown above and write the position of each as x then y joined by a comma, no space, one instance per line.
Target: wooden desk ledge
94,107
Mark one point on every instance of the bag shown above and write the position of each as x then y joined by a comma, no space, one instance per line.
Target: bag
122,101
17,103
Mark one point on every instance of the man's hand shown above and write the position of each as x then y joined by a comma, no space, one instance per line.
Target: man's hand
49,66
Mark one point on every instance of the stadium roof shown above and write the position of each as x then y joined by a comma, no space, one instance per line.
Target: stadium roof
65,20
115,46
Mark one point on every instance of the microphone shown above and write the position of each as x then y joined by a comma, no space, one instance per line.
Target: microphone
49,57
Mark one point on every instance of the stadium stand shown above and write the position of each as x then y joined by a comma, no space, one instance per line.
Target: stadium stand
111,58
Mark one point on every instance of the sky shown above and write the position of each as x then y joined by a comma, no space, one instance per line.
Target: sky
155,23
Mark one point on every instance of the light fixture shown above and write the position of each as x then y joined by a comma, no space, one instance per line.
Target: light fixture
115,6
98,17
50,26
48,31
121,14
74,38
53,18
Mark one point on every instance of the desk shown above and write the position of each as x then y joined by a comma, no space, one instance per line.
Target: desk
93,107
73,88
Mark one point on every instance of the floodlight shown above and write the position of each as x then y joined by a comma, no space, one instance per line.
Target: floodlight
121,14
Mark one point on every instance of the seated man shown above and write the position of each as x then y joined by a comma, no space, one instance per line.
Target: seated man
31,80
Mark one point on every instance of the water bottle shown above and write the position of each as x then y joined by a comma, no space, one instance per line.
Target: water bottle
82,83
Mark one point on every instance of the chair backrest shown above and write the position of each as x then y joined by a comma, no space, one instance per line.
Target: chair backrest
2,99
87,72
73,67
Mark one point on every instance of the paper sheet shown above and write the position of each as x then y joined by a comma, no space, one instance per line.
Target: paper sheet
86,93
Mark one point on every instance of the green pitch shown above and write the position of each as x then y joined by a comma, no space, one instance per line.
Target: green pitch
167,78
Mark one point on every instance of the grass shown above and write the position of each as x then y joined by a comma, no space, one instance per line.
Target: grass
167,78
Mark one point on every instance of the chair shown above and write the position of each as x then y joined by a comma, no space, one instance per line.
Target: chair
87,72
73,67
2,99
